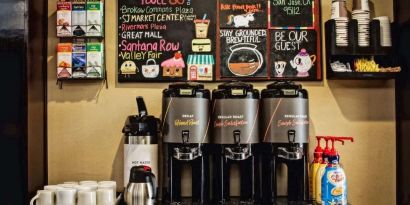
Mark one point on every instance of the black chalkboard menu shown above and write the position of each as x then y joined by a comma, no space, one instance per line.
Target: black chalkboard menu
218,40
164,40
292,13
294,53
243,14
243,52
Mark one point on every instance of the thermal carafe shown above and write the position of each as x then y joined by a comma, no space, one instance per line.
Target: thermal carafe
235,134
141,189
285,138
185,114
141,133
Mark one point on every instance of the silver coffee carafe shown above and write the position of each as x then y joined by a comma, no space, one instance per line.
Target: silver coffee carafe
141,189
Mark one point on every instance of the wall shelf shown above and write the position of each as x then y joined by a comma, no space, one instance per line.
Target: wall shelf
361,75
347,55
61,81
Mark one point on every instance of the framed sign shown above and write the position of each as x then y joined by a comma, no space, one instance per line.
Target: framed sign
292,14
218,40
157,38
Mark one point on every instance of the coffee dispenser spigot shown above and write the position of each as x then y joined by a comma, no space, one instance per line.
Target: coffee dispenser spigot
294,152
186,152
239,152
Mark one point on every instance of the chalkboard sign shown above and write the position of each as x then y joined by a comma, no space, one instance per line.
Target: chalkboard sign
293,54
292,13
163,40
218,40
242,14
243,53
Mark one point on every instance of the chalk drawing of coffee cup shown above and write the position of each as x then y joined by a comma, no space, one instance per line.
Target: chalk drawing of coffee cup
245,59
280,68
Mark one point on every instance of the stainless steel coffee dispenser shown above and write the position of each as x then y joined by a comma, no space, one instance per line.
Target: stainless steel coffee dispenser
185,114
141,134
285,138
235,125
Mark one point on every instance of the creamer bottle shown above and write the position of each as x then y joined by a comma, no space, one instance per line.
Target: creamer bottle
320,171
334,186
315,166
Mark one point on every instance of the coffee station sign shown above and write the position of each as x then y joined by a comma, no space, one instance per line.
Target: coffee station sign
157,37
220,40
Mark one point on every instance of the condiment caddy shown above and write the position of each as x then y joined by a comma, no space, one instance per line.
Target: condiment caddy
81,51
360,47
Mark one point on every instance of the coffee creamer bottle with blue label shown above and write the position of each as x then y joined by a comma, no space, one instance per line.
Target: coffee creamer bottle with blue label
334,183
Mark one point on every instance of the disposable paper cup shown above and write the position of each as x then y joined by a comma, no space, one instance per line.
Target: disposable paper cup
339,9
361,5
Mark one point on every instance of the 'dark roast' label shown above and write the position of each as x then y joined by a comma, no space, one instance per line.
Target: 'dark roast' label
235,114
283,114
186,114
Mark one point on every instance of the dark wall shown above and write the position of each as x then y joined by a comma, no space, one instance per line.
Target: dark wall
403,118
402,15
22,99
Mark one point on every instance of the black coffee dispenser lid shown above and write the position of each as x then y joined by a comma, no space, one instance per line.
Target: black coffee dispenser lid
141,174
194,90
284,85
284,89
235,89
142,124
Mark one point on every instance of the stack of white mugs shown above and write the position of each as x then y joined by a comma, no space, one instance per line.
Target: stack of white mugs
77,193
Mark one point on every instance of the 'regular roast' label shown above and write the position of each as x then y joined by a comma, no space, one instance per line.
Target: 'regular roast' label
283,114
185,114
235,114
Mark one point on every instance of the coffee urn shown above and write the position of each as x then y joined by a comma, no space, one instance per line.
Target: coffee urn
185,114
141,133
235,135
285,138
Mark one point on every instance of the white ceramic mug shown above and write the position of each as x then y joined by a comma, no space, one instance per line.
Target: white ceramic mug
86,187
73,182
86,198
105,197
69,186
108,185
43,197
88,182
66,196
53,188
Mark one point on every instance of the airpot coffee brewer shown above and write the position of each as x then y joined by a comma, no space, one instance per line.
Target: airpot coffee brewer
141,133
285,137
235,135
185,114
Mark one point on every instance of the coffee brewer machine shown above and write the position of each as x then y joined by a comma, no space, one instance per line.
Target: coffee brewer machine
285,138
185,126
235,137
141,133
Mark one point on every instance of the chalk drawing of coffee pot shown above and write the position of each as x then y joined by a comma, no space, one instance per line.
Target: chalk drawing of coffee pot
303,62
